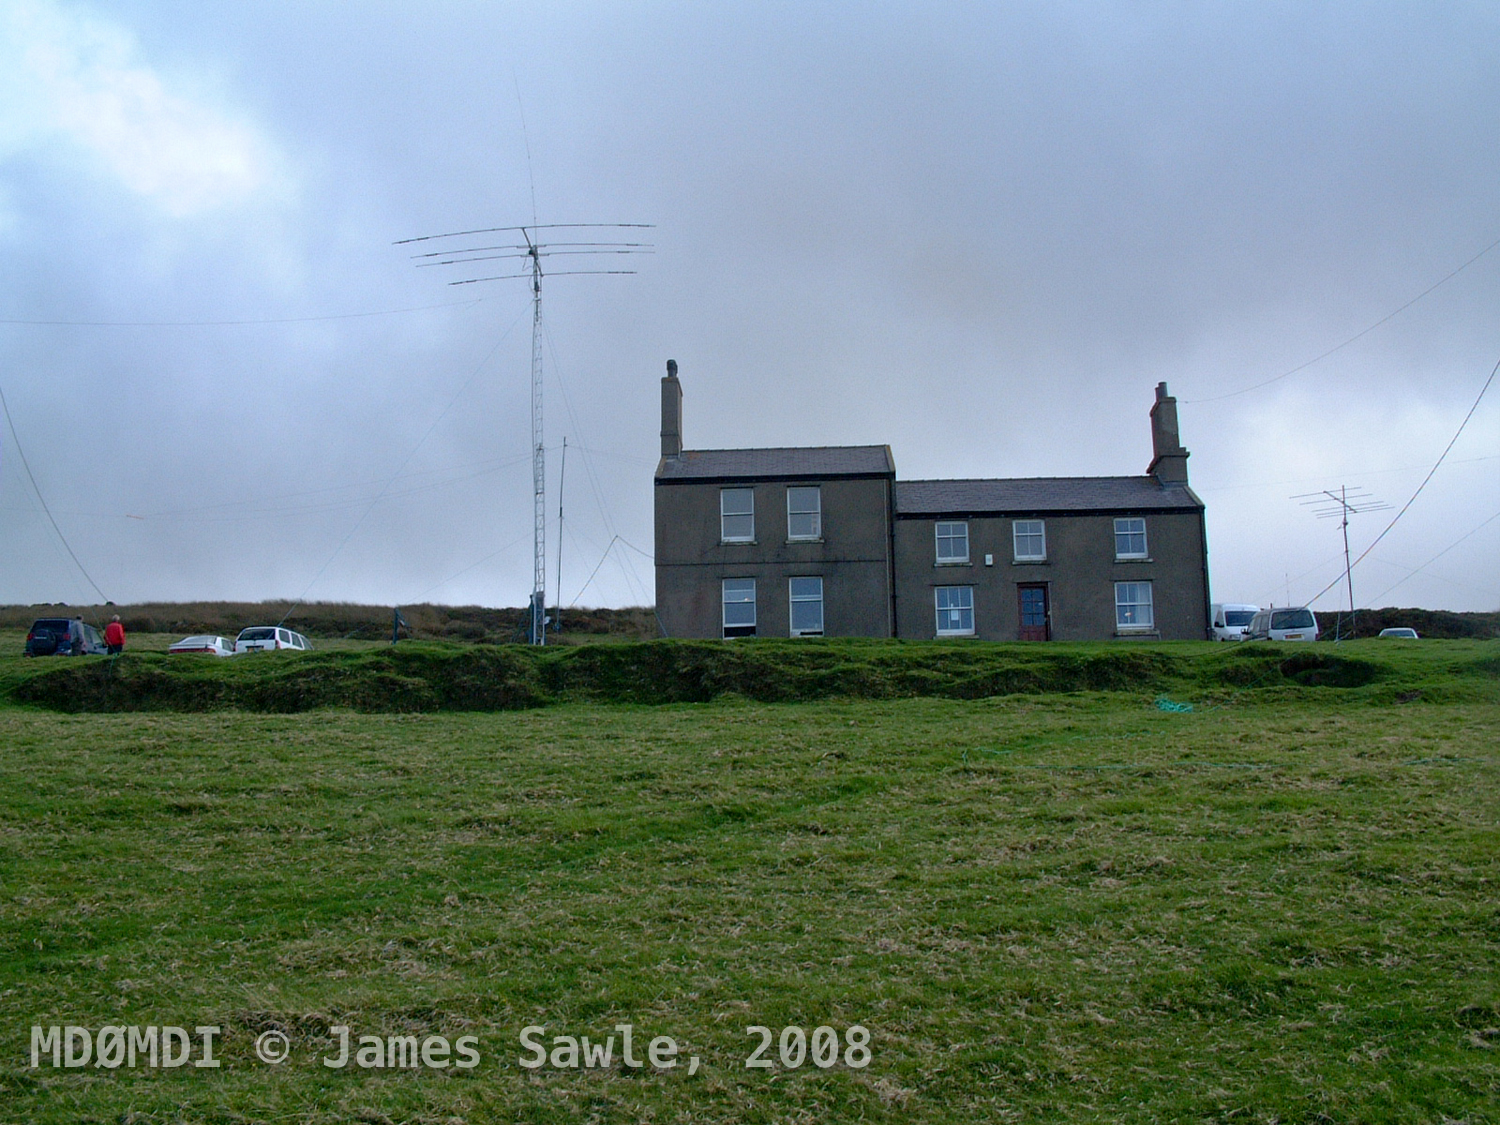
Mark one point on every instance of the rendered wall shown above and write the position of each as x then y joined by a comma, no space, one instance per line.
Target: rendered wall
1080,573
853,557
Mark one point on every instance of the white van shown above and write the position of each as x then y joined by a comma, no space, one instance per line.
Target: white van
1229,620
258,638
1292,623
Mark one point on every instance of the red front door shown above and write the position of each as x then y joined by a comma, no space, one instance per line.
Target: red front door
1035,623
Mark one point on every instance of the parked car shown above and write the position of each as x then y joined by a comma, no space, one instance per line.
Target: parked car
1229,620
259,638
1401,632
63,636
1293,623
212,645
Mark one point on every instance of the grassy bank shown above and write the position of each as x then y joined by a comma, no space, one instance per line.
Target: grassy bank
1044,908
448,677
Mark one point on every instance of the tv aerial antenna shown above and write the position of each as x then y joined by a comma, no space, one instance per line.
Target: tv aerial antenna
524,249
1340,505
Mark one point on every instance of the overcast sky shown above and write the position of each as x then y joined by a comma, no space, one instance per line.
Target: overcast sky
979,233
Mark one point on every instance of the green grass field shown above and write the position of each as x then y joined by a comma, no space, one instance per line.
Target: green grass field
1054,906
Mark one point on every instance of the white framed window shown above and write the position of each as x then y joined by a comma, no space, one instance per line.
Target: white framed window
1130,538
737,515
806,598
953,542
804,513
1133,610
1030,537
739,607
955,611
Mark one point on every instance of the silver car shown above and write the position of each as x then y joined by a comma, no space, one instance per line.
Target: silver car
206,643
1294,623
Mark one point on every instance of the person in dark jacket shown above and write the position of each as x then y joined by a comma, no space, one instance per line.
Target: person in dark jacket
114,636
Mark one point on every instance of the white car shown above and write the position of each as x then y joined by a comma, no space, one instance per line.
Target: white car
259,638
1291,623
1230,620
1400,631
212,645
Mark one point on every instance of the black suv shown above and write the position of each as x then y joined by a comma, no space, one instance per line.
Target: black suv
63,636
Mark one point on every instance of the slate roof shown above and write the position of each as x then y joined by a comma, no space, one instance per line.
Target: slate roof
1028,495
808,462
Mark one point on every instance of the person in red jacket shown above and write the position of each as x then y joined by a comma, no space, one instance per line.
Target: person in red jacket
114,636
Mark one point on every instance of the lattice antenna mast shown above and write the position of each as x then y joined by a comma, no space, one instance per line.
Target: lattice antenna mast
1340,505
531,249
537,631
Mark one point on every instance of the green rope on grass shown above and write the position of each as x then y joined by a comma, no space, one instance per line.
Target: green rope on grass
1172,706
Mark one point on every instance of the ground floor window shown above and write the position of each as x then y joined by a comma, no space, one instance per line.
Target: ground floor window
1133,610
955,611
806,595
739,607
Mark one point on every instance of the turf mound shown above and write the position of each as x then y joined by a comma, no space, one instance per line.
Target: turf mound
438,677
778,672
429,678
450,677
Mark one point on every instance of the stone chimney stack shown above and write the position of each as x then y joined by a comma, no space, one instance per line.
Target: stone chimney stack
671,413
1168,458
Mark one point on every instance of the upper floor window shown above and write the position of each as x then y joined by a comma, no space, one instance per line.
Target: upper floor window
806,595
1030,539
955,611
804,513
737,515
739,607
1133,609
1130,538
953,542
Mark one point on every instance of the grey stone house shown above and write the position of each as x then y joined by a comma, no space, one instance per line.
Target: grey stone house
825,541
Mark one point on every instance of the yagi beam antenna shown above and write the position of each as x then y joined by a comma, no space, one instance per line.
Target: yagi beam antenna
533,250
1340,505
